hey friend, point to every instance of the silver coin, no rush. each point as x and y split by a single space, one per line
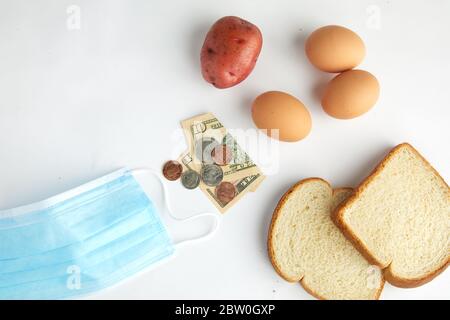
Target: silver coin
211 175
203 149
190 179
239 155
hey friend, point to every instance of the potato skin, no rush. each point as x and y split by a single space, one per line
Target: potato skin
230 51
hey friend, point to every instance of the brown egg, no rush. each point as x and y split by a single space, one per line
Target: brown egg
350 94
274 110
334 49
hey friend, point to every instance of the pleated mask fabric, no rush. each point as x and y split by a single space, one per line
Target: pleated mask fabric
81 241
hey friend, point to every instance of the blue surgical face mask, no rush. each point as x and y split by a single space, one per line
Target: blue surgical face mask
83 240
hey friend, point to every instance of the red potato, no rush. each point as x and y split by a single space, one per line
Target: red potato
230 51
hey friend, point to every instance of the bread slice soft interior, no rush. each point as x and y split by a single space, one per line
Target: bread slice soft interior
399 218
304 245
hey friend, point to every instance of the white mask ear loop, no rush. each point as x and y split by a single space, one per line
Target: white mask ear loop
169 210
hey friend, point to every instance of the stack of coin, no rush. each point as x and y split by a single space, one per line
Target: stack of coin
212 156
226 171
173 170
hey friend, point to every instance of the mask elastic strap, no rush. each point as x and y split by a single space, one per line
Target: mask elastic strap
169 210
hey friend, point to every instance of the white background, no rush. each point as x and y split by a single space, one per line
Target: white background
76 104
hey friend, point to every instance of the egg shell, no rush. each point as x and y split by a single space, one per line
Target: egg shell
350 94
278 110
334 49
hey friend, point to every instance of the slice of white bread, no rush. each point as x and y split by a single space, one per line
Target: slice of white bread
304 245
399 218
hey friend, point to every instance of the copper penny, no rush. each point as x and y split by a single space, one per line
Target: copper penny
222 155
190 179
172 170
225 192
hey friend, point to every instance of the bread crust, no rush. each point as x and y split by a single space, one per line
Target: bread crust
311 291
319 297
338 219
275 216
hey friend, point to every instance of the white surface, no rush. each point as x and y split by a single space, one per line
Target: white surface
75 104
